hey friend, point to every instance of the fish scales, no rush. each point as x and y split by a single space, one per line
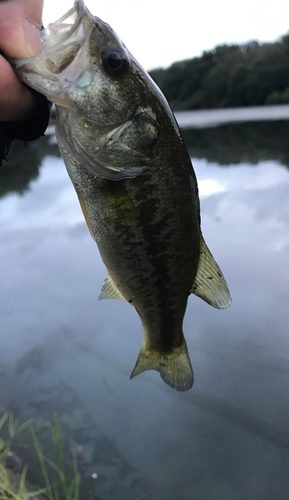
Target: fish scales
157 255
135 182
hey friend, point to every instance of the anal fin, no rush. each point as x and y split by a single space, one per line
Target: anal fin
210 284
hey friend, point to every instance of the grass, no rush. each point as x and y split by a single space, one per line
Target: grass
54 490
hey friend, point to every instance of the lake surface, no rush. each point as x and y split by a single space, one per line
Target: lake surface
213 117
62 350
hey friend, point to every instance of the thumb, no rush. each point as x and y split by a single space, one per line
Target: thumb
20 25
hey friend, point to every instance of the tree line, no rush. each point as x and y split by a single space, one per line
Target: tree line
249 74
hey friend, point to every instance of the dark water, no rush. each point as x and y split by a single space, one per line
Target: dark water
61 350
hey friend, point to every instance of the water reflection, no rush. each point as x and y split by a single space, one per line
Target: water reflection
23 164
248 142
62 350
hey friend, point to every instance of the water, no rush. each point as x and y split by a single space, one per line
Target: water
61 350
212 117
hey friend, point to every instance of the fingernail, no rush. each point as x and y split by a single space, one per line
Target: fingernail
32 36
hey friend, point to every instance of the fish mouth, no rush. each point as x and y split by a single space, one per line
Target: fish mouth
69 28
64 58
64 43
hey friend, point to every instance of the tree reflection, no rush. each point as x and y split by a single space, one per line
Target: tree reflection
24 163
250 142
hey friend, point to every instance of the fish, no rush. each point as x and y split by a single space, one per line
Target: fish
135 182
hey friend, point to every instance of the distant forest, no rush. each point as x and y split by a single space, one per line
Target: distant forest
251 74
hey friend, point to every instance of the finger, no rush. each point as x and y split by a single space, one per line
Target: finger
16 102
20 25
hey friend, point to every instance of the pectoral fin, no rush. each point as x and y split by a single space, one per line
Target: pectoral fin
174 367
109 290
84 211
210 284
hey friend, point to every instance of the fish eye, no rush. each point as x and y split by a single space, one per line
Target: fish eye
114 62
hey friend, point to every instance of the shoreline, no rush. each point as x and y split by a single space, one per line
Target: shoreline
214 117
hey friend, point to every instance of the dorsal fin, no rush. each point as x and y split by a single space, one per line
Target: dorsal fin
210 284
109 290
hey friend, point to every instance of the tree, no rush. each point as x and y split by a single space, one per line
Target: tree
229 75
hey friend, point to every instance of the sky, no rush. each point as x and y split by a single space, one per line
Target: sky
159 32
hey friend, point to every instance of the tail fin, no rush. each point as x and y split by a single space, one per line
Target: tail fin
175 367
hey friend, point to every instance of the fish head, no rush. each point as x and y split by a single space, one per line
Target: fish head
107 104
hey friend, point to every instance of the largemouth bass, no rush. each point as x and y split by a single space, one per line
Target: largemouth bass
134 179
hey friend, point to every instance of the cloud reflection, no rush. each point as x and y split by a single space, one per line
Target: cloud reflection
209 186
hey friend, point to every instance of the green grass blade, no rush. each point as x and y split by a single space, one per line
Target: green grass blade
77 477
12 425
3 419
33 494
70 491
60 455
23 426
53 465
41 458
55 492
22 489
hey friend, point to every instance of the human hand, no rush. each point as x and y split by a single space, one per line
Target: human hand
20 25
